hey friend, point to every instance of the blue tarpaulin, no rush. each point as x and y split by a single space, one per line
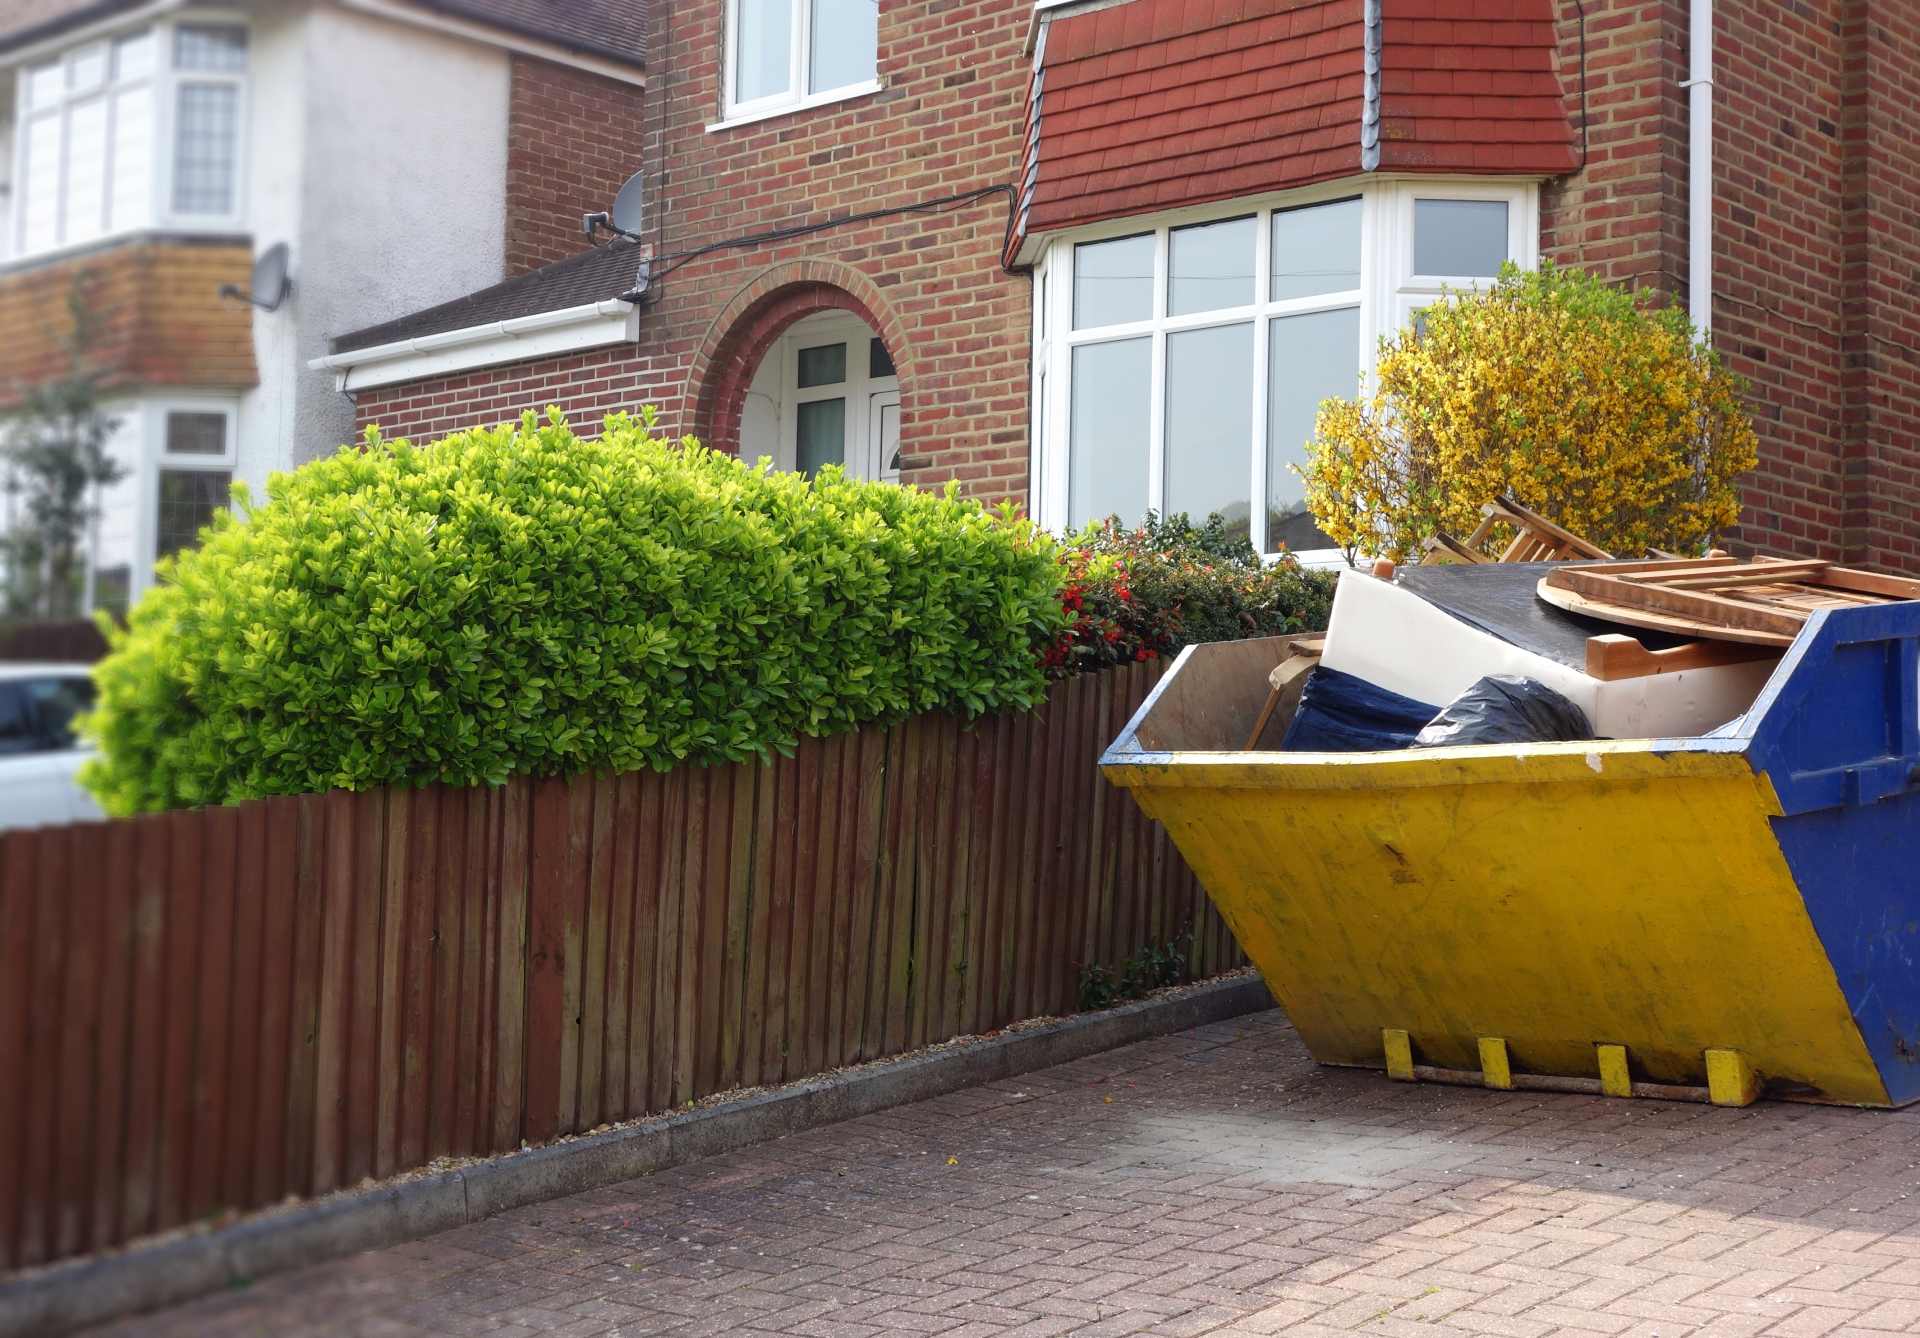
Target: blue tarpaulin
1343 714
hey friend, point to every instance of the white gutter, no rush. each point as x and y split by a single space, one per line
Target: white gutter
1699 88
568 330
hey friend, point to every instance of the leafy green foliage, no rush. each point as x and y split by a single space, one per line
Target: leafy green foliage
521 600
1154 967
1137 594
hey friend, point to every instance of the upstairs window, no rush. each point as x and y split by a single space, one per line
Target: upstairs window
789 53
137 131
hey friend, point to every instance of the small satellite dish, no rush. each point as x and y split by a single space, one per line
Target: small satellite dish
270 284
629 206
628 212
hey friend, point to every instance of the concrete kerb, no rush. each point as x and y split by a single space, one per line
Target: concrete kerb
71 1295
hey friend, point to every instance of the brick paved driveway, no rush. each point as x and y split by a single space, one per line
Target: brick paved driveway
1210 1182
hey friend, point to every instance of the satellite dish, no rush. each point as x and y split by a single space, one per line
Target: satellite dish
270 284
629 206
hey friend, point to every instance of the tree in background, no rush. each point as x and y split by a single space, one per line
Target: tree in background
56 463
1605 415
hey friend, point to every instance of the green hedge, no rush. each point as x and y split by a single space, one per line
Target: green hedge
525 601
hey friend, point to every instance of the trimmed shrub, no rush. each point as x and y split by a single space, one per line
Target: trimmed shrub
1140 593
1603 414
525 601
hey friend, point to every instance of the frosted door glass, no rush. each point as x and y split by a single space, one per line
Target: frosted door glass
1209 431
1459 238
1309 358
822 435
1210 266
1316 250
1109 433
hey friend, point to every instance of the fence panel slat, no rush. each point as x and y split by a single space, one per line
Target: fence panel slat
513 876
615 1102
665 1054
333 1015
366 854
806 817
547 1069
649 797
111 1060
70 1066
597 874
17 857
842 777
207 1123
738 915
869 752
280 892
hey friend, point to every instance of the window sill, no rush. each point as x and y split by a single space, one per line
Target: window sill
847 94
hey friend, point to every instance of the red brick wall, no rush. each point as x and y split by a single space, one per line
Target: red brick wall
572 140
1816 249
947 121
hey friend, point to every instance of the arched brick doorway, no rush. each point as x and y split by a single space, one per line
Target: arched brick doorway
737 343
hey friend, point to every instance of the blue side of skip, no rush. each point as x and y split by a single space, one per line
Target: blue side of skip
1837 732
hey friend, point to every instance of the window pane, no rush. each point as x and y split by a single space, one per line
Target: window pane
218 49
132 205
1209 430
879 361
821 436
86 170
845 44
1211 266
133 57
763 49
196 433
206 148
45 85
1108 432
1459 238
41 222
188 500
88 69
1309 358
825 365
1316 250
54 702
1112 282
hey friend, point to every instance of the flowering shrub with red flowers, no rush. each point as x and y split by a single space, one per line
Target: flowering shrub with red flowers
1143 592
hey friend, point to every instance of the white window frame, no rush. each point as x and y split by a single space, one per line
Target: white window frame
165 82
797 96
1388 296
859 390
159 458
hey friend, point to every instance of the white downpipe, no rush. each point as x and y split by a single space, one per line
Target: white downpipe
1699 87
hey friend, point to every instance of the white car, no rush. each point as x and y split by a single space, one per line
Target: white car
39 755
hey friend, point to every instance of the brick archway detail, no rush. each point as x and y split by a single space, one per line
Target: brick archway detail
730 353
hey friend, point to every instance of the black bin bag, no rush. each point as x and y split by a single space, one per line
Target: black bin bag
1505 708
1340 713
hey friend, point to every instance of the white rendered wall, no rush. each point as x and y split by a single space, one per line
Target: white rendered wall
379 153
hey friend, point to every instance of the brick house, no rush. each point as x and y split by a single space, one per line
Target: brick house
402 151
1101 255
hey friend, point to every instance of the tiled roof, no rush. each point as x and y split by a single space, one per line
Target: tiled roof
23 21
599 275
1153 104
616 28
612 28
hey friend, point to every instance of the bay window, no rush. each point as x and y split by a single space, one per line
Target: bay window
1197 347
789 53
130 132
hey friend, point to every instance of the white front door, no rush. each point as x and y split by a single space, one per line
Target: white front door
883 435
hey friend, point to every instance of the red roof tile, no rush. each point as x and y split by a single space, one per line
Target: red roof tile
1153 103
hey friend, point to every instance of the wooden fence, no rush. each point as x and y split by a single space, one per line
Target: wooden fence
211 1010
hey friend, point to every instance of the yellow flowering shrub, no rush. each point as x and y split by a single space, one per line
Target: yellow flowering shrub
1601 413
